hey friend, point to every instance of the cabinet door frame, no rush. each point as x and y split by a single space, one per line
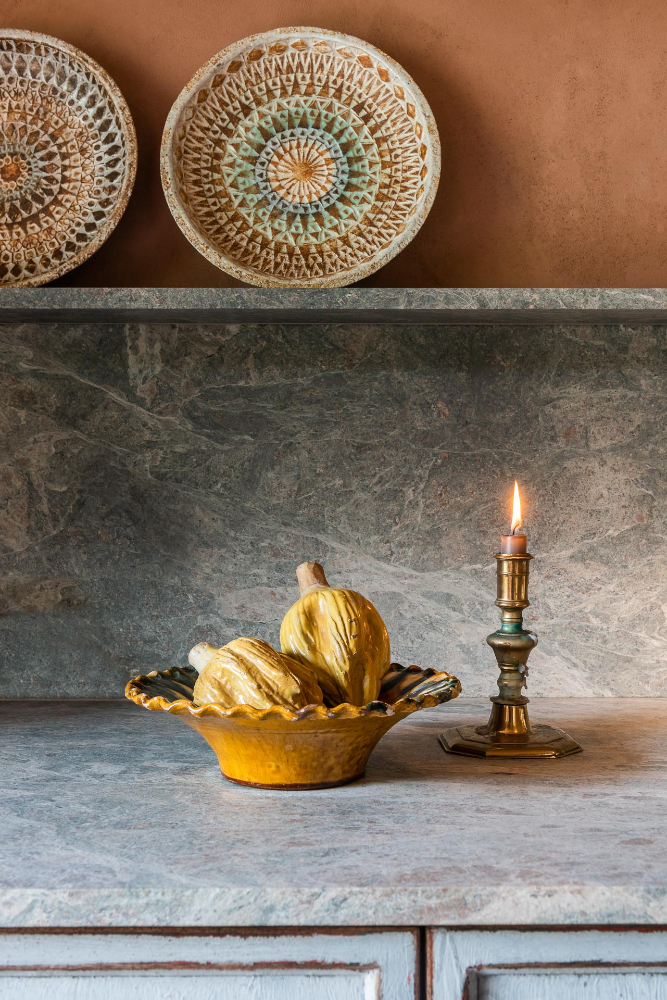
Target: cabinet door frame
393 954
452 954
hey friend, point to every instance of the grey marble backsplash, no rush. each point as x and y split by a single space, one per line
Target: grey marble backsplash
159 485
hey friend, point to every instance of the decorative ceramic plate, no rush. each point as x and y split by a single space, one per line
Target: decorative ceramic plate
67 157
300 157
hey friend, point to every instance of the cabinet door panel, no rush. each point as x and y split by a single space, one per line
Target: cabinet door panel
584 985
373 965
268 985
547 965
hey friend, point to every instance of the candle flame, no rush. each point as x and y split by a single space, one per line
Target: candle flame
516 508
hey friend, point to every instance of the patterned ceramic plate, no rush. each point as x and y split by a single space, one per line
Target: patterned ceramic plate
67 157
300 157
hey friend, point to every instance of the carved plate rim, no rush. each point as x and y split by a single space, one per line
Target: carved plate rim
257 278
129 138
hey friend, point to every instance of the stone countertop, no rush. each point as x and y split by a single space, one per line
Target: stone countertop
338 305
114 816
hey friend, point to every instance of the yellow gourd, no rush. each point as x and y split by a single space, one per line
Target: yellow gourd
250 672
339 635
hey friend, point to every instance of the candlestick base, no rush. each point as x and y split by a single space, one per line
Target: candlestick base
544 741
509 733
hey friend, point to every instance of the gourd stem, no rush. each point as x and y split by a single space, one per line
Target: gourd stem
310 574
200 654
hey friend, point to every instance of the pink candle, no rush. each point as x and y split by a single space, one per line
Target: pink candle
513 544
516 542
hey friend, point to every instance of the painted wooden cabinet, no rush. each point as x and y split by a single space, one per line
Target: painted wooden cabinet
311 966
337 965
547 965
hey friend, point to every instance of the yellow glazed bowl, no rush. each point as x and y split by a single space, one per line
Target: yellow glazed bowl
316 747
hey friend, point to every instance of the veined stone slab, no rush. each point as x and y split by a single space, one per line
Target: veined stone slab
114 816
160 484
410 306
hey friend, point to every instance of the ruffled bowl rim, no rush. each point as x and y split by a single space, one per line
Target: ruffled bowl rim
430 688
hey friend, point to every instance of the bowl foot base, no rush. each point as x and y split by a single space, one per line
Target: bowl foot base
298 787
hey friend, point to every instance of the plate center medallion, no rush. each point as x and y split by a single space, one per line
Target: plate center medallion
302 170
13 171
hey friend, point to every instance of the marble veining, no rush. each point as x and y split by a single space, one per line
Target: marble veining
115 816
160 483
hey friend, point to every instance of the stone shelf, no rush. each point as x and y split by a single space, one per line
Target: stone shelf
437 306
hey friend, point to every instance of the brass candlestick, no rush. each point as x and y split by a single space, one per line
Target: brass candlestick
508 732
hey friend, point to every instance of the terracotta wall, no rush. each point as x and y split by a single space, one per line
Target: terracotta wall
552 115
